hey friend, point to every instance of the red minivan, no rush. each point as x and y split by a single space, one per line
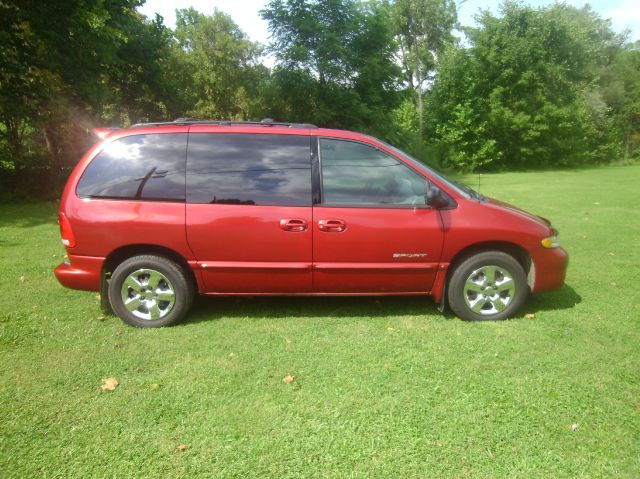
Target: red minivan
153 213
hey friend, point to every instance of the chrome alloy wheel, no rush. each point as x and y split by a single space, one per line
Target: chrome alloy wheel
489 290
148 294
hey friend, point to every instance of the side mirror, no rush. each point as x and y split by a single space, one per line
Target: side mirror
436 198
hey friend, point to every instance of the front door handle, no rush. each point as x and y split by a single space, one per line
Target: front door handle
293 224
332 226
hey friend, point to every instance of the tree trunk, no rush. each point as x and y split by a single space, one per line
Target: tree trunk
420 122
418 89
14 138
53 145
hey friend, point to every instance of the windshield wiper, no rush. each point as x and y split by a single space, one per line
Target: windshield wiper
473 193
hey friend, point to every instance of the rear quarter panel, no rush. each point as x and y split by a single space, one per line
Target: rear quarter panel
103 225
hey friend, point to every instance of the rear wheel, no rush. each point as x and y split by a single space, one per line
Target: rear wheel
487 286
150 292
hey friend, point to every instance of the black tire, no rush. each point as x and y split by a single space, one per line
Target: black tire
470 285
162 289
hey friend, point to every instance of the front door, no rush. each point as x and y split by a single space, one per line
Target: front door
249 211
373 231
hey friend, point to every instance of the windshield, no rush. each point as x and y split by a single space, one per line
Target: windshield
462 190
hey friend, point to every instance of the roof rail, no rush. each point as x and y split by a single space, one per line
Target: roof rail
104 132
268 122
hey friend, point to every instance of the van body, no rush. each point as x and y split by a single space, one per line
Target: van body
156 213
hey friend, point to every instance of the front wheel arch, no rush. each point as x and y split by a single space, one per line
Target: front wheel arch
460 273
520 254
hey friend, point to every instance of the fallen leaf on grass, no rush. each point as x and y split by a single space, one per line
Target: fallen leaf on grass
117 333
21 278
181 447
612 254
97 297
154 387
389 328
574 426
232 355
101 318
288 342
529 315
109 384
288 379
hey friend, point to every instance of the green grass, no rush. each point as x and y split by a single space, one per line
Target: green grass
384 387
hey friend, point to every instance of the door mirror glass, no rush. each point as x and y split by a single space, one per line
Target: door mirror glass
436 198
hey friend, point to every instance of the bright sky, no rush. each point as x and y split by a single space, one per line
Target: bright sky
623 13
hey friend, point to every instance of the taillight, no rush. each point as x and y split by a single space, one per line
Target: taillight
68 239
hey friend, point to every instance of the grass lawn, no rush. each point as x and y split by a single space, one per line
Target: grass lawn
383 387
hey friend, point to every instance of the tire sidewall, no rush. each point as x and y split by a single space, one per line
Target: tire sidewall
489 258
173 272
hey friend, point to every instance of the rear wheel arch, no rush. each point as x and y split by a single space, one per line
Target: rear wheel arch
149 290
117 256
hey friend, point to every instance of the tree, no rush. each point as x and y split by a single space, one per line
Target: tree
64 64
524 94
218 64
334 62
619 89
424 29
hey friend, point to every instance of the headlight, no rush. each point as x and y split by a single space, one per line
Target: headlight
551 241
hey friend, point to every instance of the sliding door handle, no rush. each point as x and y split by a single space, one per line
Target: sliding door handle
332 226
293 224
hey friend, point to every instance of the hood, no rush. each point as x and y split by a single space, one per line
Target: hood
514 209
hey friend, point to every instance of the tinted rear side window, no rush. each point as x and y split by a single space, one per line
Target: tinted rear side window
144 167
249 169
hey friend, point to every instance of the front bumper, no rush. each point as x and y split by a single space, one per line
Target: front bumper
80 272
550 268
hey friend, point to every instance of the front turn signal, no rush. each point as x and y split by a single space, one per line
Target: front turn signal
550 242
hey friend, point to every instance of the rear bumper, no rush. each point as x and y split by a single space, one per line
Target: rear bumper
550 269
81 272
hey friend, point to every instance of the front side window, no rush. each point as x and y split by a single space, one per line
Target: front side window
249 169
358 174
141 167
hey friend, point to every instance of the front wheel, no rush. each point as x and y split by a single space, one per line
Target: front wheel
150 292
487 286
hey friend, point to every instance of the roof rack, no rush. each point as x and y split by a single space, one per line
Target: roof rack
268 122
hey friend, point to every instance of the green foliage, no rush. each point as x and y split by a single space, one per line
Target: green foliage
406 119
68 65
531 88
524 94
424 29
218 65
619 90
334 63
